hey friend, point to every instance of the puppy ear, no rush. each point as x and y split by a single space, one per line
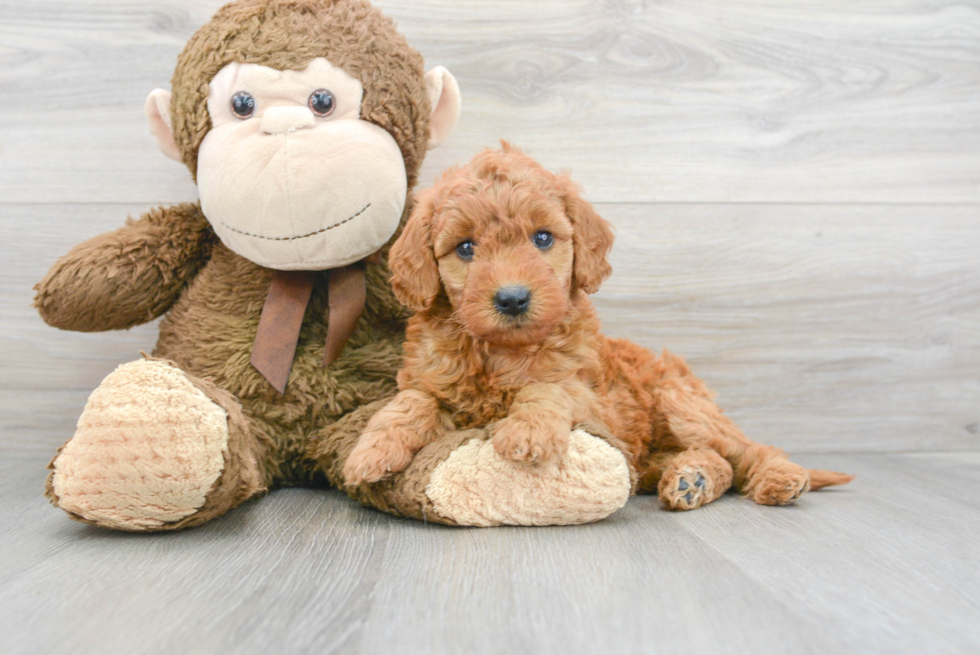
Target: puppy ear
592 238
414 271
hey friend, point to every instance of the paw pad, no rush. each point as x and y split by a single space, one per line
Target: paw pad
685 489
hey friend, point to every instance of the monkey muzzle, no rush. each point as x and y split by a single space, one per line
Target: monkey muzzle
291 193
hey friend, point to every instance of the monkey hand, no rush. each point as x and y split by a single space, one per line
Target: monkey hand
126 277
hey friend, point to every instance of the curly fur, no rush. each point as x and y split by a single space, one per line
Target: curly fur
537 374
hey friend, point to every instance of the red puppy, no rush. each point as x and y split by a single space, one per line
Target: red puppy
497 260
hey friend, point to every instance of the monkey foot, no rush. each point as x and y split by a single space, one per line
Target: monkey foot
475 486
147 451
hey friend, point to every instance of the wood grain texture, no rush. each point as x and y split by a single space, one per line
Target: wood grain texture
820 273
703 101
835 328
886 565
822 328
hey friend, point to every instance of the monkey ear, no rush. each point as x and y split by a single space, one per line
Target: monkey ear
444 99
592 238
414 270
157 110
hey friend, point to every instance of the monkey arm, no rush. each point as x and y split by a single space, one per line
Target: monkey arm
129 276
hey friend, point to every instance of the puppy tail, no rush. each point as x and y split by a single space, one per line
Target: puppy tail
820 479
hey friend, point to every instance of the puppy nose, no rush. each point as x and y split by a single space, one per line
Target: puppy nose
279 120
512 301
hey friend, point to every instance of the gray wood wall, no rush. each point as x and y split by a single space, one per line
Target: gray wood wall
795 186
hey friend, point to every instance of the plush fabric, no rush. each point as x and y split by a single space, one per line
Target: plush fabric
157 112
440 487
473 485
129 276
266 186
182 438
147 432
288 35
445 106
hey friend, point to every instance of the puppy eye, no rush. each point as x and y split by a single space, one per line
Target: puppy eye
243 104
465 250
322 102
543 239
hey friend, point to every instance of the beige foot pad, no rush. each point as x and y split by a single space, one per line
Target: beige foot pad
148 448
474 486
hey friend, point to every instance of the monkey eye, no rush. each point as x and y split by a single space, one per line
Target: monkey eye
322 102
243 104
543 239
465 250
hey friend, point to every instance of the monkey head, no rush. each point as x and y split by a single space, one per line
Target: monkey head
304 124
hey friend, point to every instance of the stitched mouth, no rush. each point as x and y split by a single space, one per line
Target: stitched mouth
299 236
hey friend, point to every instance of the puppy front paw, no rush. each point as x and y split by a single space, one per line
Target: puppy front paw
530 442
376 455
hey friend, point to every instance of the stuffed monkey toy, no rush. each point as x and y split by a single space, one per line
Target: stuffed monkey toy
304 124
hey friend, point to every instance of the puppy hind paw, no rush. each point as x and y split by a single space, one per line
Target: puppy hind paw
685 489
781 483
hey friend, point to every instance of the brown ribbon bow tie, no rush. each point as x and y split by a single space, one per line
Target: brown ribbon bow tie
282 318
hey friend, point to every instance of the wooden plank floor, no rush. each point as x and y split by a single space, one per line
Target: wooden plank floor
796 192
887 565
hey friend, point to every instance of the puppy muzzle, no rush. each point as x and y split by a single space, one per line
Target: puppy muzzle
512 301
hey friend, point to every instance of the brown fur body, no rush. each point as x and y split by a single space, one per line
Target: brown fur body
537 374
169 262
212 300
224 302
